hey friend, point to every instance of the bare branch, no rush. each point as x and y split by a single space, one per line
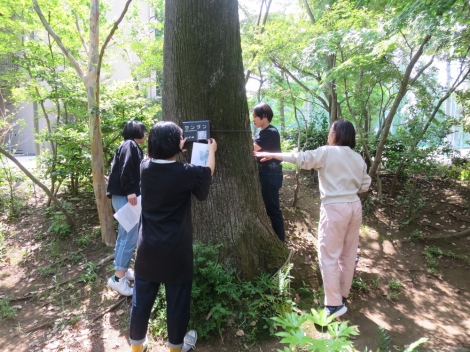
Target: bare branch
58 40
407 44
85 47
111 33
40 184
309 11
265 19
307 89
398 98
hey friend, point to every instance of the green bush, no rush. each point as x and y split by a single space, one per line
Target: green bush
90 275
458 170
332 338
6 311
296 338
316 136
221 299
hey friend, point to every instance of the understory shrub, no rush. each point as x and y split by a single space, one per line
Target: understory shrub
220 299
262 307
319 333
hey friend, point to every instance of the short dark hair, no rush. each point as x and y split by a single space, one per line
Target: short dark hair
263 110
133 130
345 134
164 140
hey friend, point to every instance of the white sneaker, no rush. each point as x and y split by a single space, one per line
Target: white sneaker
189 341
122 286
130 275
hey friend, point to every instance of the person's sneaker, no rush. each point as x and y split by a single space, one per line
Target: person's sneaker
189 341
121 286
130 275
335 311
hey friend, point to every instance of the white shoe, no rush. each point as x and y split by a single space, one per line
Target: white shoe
189 341
130 275
122 286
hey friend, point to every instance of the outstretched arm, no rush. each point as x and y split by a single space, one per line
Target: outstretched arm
268 156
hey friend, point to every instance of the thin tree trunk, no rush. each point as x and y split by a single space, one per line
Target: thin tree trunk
393 110
91 82
68 218
203 80
464 73
105 214
282 115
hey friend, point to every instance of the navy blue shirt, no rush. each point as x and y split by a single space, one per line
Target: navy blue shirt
269 141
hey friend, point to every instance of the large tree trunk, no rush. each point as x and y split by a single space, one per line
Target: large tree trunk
203 80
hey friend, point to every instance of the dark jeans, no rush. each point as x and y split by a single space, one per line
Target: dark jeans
178 299
271 182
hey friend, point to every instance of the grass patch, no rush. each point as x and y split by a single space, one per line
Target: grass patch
6 311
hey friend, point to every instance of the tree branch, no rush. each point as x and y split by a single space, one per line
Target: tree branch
307 89
309 11
57 40
85 47
111 33
37 182
265 19
399 97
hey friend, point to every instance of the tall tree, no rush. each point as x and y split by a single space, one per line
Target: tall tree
91 80
203 79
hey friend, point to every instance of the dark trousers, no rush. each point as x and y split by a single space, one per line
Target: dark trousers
178 299
271 182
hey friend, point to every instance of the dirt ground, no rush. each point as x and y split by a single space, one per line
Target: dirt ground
57 313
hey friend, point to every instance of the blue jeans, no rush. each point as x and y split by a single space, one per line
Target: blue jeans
126 241
178 302
271 182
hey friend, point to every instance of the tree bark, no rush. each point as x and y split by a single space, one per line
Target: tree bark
203 80
91 81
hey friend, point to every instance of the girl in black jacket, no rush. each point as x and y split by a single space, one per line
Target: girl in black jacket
123 187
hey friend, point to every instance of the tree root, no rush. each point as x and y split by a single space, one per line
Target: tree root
43 325
445 237
100 263
114 306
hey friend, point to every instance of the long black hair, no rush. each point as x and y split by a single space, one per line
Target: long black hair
164 140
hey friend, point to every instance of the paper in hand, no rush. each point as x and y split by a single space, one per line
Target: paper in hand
200 154
129 215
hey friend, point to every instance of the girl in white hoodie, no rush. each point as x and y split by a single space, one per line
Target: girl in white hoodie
342 174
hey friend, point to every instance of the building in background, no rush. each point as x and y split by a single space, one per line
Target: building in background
27 122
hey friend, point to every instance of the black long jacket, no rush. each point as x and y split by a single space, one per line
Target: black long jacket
124 177
165 244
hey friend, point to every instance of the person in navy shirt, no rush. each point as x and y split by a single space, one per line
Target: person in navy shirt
270 173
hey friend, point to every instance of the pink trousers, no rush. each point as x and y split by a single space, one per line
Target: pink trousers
338 237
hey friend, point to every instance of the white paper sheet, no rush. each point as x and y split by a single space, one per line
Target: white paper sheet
129 215
200 154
